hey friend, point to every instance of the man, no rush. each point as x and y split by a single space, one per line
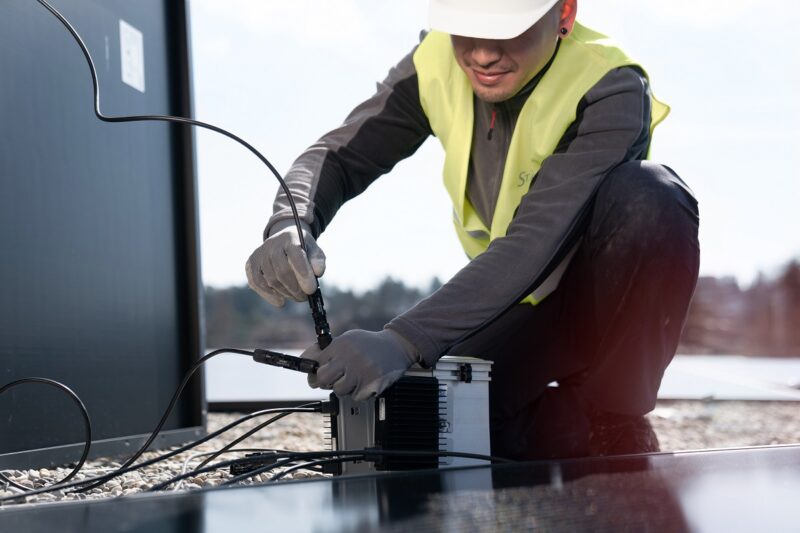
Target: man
584 256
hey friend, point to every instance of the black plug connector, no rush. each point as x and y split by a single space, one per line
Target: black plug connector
252 461
329 407
282 360
320 317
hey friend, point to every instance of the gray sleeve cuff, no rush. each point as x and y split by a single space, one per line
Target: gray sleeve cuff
277 223
428 351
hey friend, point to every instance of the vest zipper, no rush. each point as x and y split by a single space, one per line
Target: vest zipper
491 124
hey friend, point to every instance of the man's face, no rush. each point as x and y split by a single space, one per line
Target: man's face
498 69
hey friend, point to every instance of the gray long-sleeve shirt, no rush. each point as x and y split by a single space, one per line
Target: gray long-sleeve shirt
612 126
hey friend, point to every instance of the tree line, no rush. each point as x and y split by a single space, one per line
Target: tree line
760 320
237 316
724 318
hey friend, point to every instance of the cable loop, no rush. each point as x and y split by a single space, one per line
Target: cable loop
87 424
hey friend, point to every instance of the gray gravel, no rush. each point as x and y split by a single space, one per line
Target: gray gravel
298 431
694 425
680 425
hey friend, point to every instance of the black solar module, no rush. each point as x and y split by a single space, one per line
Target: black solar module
749 489
118 320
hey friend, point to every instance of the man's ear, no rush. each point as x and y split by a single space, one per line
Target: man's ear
569 11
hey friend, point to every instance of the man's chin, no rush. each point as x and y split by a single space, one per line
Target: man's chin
492 95
495 93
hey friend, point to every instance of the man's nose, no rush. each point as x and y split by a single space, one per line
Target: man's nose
486 52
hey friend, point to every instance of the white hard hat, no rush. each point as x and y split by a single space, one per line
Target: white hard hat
487 19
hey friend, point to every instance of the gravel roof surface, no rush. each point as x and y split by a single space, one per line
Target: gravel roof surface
680 425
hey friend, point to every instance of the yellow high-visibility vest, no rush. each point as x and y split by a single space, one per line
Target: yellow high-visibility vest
583 59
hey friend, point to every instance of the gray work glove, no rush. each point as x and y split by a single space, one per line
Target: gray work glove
361 363
279 268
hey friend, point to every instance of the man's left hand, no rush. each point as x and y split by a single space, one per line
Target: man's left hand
361 363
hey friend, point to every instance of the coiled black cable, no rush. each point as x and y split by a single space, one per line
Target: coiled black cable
87 425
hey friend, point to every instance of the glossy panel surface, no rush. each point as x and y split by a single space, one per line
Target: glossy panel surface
732 490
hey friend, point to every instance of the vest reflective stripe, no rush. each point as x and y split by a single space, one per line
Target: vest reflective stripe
583 58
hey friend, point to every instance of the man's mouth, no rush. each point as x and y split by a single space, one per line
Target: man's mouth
489 78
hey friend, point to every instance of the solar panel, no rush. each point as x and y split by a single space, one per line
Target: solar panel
99 271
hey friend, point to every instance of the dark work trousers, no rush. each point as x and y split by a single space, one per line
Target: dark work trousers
609 330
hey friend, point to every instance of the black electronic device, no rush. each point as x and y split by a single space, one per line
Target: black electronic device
444 408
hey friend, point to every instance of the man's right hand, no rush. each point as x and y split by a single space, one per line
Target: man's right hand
280 269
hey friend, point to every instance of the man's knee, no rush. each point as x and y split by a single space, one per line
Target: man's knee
649 200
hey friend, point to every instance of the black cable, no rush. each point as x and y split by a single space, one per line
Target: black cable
367 453
106 477
247 435
285 412
168 412
87 425
209 468
293 456
289 457
222 464
124 468
201 468
266 468
215 434
251 451
311 464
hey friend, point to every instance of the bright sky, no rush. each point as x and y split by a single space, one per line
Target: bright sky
281 74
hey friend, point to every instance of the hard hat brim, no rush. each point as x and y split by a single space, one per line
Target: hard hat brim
445 17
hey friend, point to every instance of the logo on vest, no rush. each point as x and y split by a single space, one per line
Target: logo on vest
525 178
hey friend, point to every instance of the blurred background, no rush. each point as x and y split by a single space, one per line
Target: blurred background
281 74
